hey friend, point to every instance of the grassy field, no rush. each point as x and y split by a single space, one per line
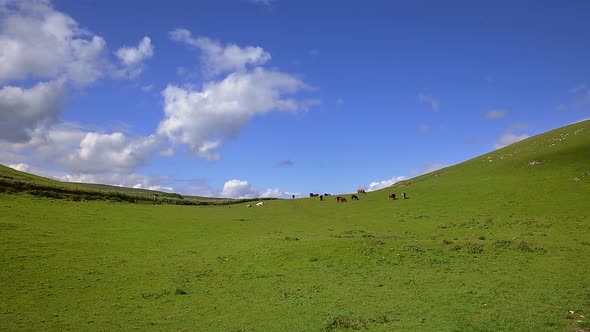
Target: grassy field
498 243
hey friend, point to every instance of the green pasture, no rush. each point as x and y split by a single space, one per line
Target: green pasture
498 243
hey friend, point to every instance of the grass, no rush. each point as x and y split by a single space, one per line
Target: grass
480 246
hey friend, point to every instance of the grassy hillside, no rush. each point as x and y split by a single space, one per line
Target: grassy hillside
485 245
16 182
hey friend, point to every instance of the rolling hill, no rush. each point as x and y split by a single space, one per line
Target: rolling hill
13 181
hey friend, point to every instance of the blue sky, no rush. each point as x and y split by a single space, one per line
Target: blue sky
272 98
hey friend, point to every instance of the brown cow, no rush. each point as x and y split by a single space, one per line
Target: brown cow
361 191
340 199
392 197
354 197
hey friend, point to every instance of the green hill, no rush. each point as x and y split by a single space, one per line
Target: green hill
13 181
498 243
541 173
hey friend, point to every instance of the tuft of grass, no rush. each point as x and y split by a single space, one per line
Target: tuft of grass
180 291
502 244
474 248
413 248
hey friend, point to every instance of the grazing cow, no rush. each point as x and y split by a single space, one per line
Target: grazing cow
260 204
293 196
321 197
340 199
405 196
392 196
327 195
249 205
313 195
361 191
354 197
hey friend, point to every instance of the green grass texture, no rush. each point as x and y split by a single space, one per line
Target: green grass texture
500 242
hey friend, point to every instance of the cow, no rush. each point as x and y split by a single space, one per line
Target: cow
293 196
361 191
340 199
249 205
392 197
405 196
313 195
260 204
327 194
321 197
354 197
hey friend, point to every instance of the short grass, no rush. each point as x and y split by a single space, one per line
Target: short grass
495 245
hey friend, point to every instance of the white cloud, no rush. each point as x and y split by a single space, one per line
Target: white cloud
561 108
104 153
496 114
242 189
135 55
157 188
147 88
133 58
509 138
238 189
39 42
429 100
83 152
218 58
204 119
385 183
23 110
20 167
136 181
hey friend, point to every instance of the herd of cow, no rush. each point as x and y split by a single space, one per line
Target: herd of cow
341 199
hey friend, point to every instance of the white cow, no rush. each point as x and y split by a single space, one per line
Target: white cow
260 204
249 205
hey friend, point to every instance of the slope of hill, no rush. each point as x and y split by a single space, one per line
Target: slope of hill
539 173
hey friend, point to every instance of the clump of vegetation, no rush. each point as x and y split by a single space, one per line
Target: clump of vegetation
413 248
518 245
474 248
502 244
349 323
340 322
180 291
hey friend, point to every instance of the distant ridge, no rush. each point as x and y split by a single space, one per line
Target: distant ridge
14 182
